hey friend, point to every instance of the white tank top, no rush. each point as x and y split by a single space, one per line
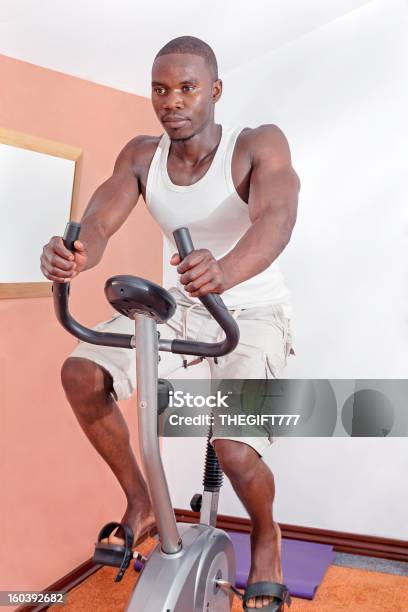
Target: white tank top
217 219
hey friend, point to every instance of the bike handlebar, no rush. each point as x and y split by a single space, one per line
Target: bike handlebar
60 293
213 302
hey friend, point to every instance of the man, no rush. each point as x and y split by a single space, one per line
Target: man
236 190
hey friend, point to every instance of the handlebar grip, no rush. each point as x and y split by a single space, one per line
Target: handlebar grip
71 234
185 246
183 241
61 295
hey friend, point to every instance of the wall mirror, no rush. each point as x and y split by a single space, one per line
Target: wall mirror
39 182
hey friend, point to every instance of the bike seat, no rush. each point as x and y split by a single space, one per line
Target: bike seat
132 294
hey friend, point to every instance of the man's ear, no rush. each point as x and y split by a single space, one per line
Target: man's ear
217 90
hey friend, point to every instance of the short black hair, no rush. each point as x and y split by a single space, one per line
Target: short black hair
195 46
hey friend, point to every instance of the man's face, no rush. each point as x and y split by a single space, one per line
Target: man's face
183 94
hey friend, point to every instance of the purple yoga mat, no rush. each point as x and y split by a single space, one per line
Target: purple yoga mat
304 564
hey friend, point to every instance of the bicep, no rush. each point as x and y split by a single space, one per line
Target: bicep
115 198
274 184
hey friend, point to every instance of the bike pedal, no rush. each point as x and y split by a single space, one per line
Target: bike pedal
224 584
139 561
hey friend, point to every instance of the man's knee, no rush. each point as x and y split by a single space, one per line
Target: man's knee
84 378
237 459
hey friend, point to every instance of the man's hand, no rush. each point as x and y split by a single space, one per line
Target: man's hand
200 273
58 264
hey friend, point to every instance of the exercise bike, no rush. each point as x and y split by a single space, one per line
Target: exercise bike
192 568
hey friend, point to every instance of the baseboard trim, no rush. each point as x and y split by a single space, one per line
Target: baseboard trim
355 544
370 546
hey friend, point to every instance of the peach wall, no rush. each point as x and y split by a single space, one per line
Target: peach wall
56 492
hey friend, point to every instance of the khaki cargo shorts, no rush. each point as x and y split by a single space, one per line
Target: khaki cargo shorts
264 346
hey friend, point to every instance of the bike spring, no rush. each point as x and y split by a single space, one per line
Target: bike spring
213 474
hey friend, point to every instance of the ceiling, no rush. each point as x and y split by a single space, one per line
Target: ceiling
113 42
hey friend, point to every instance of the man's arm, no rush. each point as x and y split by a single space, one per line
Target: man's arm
111 204
272 207
107 210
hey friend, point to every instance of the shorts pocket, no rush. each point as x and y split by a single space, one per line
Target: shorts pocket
288 340
287 334
276 359
274 366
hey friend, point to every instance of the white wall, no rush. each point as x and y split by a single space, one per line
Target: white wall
340 94
98 42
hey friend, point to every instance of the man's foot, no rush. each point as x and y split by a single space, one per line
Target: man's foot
141 520
265 562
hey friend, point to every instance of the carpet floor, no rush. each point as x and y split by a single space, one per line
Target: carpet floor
343 589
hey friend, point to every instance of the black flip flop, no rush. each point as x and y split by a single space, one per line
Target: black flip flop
272 589
114 554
